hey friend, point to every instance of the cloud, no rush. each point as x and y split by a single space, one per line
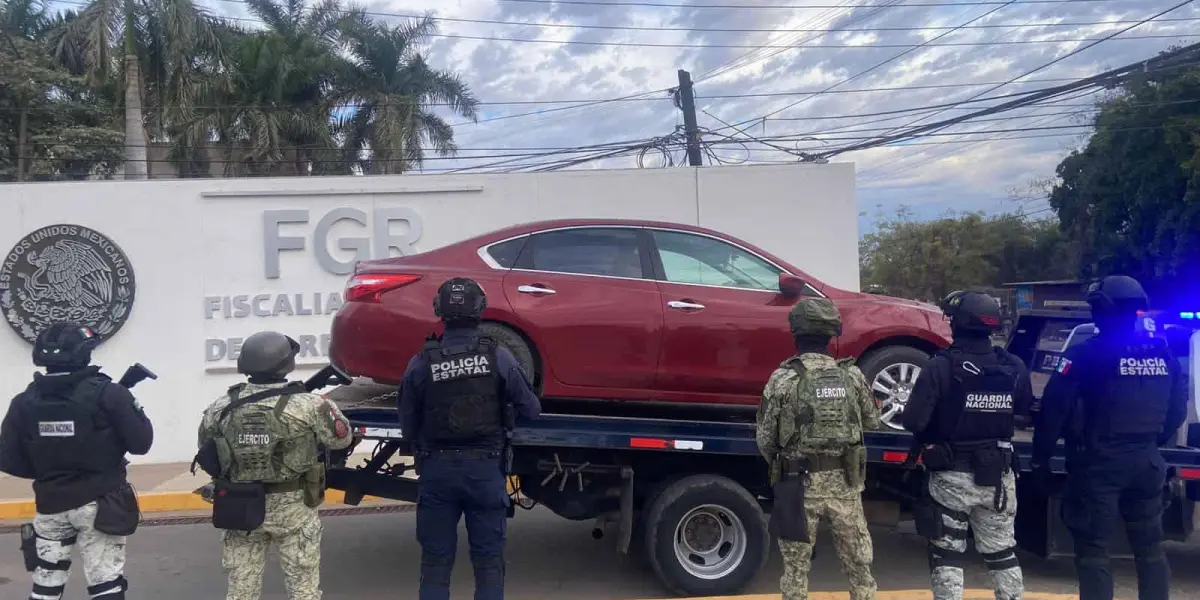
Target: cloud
931 176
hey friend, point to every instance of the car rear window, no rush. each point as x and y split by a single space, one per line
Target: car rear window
505 253
586 251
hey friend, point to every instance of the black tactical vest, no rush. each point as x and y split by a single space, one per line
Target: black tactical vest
980 404
462 399
69 433
1129 389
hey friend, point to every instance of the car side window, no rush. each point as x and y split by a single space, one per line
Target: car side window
695 259
505 253
611 252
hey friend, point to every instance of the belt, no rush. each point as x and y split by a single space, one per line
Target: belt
282 487
813 464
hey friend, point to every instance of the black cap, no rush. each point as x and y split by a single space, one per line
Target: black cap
65 346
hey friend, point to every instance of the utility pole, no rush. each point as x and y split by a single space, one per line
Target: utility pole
685 99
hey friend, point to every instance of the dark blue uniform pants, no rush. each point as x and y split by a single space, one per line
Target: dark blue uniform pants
1123 486
454 485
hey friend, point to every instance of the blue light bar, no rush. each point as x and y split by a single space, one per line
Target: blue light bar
1187 315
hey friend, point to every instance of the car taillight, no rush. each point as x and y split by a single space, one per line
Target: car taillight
370 287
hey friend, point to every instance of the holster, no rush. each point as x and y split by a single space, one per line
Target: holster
29 546
313 485
937 457
239 506
927 514
788 508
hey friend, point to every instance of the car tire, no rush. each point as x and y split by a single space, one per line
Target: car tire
875 362
510 339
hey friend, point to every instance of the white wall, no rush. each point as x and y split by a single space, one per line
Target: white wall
189 241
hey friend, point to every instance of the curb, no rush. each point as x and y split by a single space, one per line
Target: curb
973 594
156 503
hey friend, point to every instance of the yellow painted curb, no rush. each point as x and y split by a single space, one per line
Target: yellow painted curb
151 503
898 595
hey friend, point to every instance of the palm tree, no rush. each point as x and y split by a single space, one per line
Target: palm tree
394 90
168 35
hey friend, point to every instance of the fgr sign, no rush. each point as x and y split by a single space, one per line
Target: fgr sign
377 245
66 273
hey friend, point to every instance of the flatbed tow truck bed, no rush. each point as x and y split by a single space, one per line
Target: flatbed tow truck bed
691 496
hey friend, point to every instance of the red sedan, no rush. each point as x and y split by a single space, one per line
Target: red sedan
629 310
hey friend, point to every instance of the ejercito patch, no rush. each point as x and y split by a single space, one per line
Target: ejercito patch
56 428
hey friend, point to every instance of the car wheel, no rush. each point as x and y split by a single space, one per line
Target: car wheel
892 371
516 344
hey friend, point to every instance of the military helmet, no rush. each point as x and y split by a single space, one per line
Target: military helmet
971 311
815 316
65 345
1117 294
459 298
268 353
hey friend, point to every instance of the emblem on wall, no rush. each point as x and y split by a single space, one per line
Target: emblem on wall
66 273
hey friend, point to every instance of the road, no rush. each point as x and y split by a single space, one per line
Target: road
376 557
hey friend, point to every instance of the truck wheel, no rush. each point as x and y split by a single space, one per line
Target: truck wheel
516 344
705 535
891 372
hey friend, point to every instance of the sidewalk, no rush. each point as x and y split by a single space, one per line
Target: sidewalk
161 488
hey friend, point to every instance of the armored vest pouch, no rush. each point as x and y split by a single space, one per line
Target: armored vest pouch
238 506
983 391
117 512
824 413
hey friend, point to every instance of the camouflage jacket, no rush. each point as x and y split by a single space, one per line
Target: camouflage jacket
781 389
304 413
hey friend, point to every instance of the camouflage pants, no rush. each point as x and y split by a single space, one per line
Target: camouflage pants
851 541
103 555
965 504
296 528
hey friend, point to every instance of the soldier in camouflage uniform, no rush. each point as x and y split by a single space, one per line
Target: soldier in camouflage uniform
810 425
962 416
274 440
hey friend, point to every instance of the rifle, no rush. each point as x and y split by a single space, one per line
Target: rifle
328 375
135 375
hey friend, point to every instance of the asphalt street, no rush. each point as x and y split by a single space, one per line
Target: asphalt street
376 557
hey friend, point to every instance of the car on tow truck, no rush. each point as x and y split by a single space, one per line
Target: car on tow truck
638 312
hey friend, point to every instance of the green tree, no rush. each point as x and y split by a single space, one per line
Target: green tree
1131 196
925 260
164 46
394 90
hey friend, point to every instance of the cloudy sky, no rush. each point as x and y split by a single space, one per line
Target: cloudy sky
782 49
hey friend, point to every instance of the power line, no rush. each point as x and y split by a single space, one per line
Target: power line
1083 83
640 3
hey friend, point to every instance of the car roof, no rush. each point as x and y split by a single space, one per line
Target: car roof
516 230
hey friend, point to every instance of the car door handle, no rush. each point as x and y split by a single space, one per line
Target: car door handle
684 305
534 289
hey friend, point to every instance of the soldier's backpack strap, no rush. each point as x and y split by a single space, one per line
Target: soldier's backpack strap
845 363
796 365
287 390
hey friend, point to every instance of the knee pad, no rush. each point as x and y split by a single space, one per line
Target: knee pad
435 570
940 557
1001 560
109 590
489 571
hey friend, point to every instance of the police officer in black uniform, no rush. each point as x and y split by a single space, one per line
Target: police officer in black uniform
962 414
1114 399
69 432
458 402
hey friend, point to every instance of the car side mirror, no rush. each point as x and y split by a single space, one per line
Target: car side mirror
791 286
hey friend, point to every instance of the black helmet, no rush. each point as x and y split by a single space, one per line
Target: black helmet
268 354
971 311
1117 295
459 298
65 346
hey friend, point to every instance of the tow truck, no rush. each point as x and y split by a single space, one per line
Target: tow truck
691 496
